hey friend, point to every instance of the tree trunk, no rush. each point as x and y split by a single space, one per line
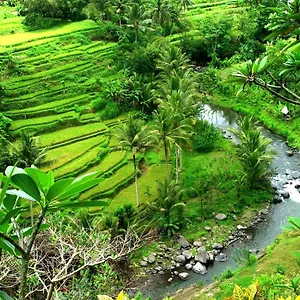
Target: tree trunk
23 279
136 181
167 161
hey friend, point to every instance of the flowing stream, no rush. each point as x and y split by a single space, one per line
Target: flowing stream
286 176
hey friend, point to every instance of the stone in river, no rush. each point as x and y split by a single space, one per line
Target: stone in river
183 275
289 153
221 257
143 263
183 242
199 268
187 254
217 246
180 259
151 259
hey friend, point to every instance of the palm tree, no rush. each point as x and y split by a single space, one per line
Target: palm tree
173 61
253 151
137 19
169 132
169 200
134 136
120 7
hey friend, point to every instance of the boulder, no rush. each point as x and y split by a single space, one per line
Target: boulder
187 254
285 194
143 263
277 199
297 186
170 279
183 275
207 228
241 227
180 259
161 272
221 257
197 244
183 242
220 217
217 246
264 211
211 257
199 268
202 255
151 259
188 266
289 153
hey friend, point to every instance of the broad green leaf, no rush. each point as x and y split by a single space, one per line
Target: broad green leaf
255 67
40 178
9 202
5 296
262 64
76 187
80 204
10 214
87 177
51 178
7 246
26 184
11 170
20 194
58 187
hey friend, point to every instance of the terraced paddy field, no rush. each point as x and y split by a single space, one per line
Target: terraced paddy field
54 75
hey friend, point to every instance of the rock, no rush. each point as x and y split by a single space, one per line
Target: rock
297 186
176 272
199 268
217 246
197 244
241 227
221 257
285 194
180 259
277 199
264 211
210 255
158 269
177 265
170 279
187 254
188 266
143 263
220 217
289 153
207 228
161 272
254 251
151 259
202 256
183 275
274 186
183 242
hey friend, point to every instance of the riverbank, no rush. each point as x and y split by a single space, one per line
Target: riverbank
267 111
285 178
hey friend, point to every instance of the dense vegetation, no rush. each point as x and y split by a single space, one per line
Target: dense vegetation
115 89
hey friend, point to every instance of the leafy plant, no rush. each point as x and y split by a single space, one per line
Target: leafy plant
34 187
293 286
244 293
294 224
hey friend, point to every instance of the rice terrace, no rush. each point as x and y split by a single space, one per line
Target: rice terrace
142 142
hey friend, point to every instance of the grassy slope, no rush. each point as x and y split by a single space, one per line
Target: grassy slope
279 253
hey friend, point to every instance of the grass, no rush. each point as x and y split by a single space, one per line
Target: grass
60 30
147 188
70 133
62 155
34 122
122 175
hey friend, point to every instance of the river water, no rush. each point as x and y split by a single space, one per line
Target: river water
286 176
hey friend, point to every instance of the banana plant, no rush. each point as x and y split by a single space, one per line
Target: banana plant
21 187
294 224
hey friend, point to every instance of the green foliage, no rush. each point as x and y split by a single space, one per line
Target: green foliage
206 136
5 123
294 224
253 152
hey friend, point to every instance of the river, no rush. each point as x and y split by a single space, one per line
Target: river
286 176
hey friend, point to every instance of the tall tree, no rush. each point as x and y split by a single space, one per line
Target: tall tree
169 133
134 136
138 19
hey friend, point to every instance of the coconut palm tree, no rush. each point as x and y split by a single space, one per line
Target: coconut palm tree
170 130
135 137
120 8
172 61
169 201
253 151
137 18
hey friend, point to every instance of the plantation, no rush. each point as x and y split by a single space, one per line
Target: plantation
127 170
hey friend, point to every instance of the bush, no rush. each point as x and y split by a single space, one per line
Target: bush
35 21
206 137
4 123
111 111
98 104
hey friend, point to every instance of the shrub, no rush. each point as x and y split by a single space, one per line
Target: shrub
35 21
5 123
206 136
111 111
98 104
